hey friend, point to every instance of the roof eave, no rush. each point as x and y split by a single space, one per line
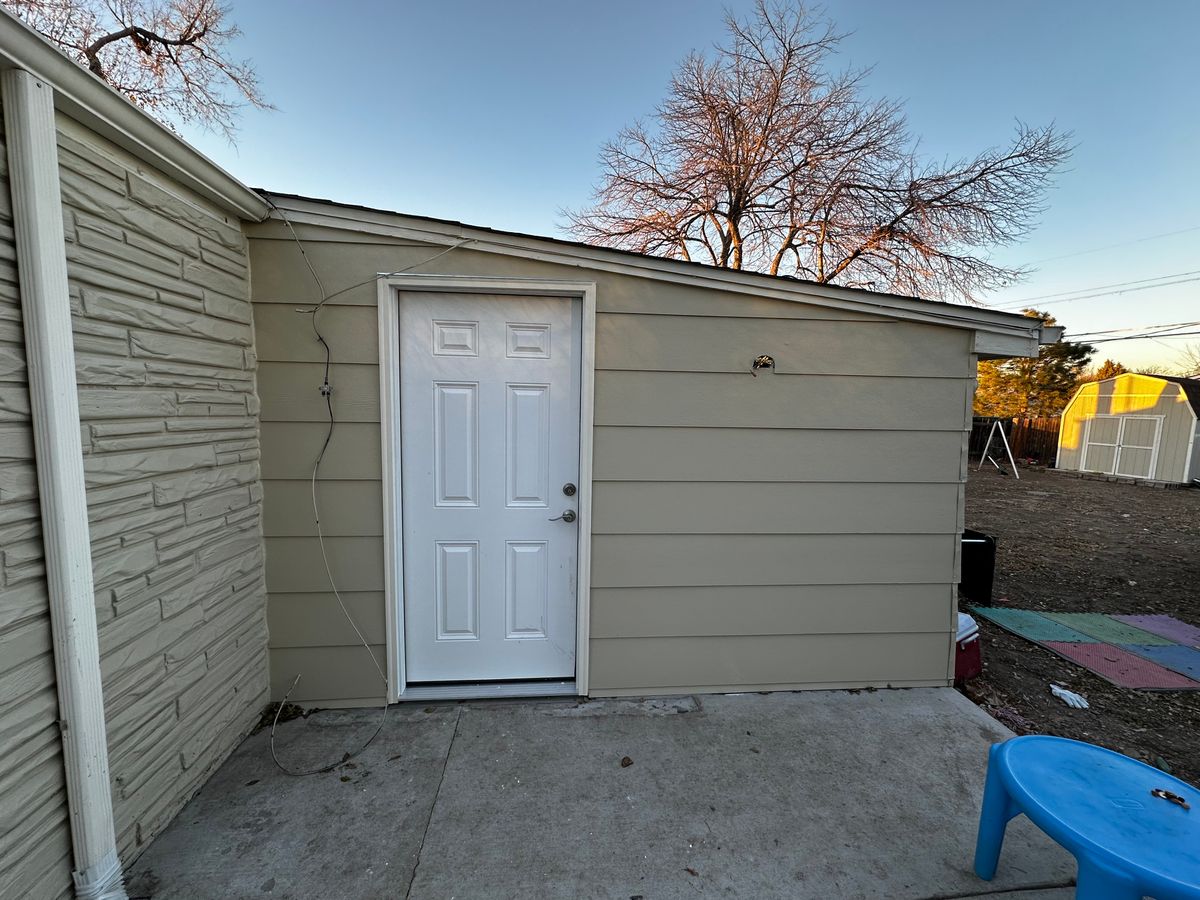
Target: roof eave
85 98
999 335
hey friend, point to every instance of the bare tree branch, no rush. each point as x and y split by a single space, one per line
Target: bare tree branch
167 56
1188 361
761 157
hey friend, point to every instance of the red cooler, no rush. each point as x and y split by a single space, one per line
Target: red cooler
967 661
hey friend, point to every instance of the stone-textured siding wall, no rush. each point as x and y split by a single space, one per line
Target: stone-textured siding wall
164 349
35 840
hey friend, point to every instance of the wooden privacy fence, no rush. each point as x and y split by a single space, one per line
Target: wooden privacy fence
1035 438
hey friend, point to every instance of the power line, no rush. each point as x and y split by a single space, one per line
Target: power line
1141 240
1139 337
1131 290
1102 287
1084 334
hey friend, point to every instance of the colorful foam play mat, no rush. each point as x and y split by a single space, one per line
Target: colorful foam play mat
1149 653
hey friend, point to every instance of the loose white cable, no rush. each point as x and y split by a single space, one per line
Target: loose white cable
329 574
375 278
327 393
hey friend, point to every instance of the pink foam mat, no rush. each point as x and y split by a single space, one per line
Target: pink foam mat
1123 668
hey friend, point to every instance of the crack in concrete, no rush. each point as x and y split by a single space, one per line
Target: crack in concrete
433 806
993 892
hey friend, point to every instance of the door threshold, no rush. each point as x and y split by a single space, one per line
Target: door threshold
490 689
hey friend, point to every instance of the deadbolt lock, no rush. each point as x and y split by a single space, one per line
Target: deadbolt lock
569 489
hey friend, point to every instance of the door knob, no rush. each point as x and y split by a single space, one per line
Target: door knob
567 516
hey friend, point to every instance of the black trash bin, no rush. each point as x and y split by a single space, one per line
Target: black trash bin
978 567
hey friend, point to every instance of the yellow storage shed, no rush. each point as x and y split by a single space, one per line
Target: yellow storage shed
1135 426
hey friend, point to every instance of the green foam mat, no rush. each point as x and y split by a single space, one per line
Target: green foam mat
1105 628
1032 626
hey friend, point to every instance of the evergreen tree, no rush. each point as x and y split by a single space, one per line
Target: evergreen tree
1107 369
1013 388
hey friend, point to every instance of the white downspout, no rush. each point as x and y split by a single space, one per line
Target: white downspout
49 346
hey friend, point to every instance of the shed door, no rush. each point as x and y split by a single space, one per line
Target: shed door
1100 444
489 394
1138 446
1122 445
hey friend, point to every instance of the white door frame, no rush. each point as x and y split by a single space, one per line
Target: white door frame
390 288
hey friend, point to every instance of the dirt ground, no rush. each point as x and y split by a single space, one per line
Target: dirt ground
1067 544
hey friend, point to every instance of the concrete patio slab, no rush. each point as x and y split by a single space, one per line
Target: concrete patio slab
253 831
798 795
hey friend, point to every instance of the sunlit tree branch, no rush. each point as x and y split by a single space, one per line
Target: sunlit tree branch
761 157
167 56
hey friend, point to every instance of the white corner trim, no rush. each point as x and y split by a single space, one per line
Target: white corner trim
45 305
1062 423
1190 458
388 317
1188 475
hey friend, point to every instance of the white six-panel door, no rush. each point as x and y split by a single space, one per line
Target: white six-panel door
489 408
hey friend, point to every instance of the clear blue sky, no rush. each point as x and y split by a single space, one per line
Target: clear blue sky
492 113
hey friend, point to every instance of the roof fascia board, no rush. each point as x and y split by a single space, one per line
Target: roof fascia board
992 345
399 226
81 96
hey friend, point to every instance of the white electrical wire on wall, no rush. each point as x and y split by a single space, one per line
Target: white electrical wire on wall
326 391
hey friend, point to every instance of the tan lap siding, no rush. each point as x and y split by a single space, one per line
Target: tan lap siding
730 507
165 359
1070 436
794 529
310 636
646 343
632 612
35 840
772 661
653 453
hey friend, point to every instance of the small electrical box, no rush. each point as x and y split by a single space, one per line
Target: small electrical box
762 364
